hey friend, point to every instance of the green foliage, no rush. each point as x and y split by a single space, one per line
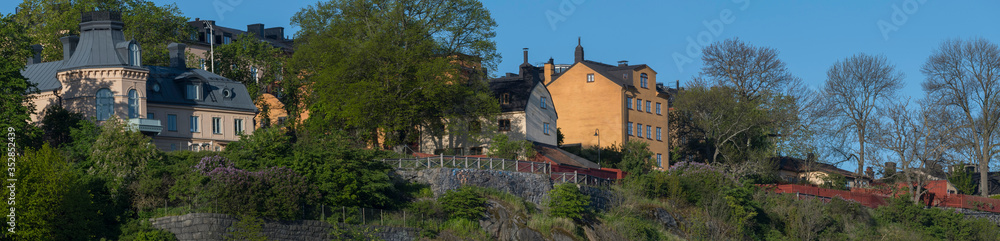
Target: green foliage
937 223
119 154
15 106
715 124
153 26
636 157
57 123
249 55
247 228
464 203
266 147
559 136
142 230
503 147
343 174
49 197
835 181
566 200
415 62
963 181
353 233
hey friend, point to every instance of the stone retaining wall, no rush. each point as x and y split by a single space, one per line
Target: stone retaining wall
532 187
212 226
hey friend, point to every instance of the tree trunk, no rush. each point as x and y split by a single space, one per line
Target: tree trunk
984 189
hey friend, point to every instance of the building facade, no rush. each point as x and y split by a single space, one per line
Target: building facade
102 76
607 105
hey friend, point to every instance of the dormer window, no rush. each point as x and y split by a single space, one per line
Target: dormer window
192 92
505 98
644 80
133 55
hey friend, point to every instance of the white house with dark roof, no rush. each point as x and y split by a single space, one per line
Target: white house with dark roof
101 75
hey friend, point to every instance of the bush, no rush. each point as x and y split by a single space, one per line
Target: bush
566 200
935 222
50 199
276 192
141 230
464 203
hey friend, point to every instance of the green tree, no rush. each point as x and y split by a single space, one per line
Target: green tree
119 154
266 147
566 200
715 125
464 203
57 125
152 26
636 157
502 147
963 181
415 62
344 174
15 105
251 61
50 202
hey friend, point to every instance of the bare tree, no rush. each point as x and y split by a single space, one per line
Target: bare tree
855 87
964 76
916 142
750 70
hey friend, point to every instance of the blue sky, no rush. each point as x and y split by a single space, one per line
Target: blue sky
810 35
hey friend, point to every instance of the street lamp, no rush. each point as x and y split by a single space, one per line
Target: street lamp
211 41
597 133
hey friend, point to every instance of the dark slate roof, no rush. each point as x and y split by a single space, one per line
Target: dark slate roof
44 75
561 156
798 165
285 44
519 86
172 83
98 46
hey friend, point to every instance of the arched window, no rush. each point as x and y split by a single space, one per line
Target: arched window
643 79
105 104
133 104
133 55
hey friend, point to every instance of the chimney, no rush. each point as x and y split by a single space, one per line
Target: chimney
890 169
276 33
69 45
525 55
623 63
678 84
579 51
257 29
177 55
36 55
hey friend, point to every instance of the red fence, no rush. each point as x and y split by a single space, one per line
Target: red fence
869 198
866 199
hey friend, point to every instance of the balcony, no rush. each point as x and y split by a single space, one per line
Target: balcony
146 126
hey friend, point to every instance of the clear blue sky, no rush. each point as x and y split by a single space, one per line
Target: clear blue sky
811 35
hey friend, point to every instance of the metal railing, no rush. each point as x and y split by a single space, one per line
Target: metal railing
484 163
579 178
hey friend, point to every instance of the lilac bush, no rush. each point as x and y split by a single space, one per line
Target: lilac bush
276 192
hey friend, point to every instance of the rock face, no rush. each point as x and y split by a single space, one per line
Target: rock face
664 218
212 226
601 199
530 186
500 223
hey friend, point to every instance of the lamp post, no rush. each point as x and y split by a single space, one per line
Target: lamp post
211 42
597 133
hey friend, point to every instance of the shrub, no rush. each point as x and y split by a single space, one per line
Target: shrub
247 228
141 230
276 192
566 200
49 198
463 203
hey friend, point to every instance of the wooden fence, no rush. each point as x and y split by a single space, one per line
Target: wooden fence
483 163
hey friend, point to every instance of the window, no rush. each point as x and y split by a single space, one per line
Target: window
504 125
105 104
658 108
133 55
172 122
647 107
643 80
638 131
253 72
173 146
628 102
542 103
659 134
590 78
202 63
545 128
630 128
216 125
638 104
505 98
133 104
475 150
649 132
659 160
227 39
194 123
192 92
238 126
150 116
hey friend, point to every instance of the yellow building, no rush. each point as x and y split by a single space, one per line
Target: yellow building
610 105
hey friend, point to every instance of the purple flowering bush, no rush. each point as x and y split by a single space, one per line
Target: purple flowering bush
276 192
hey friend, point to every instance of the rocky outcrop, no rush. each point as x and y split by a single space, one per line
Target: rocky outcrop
530 186
502 224
601 199
212 226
